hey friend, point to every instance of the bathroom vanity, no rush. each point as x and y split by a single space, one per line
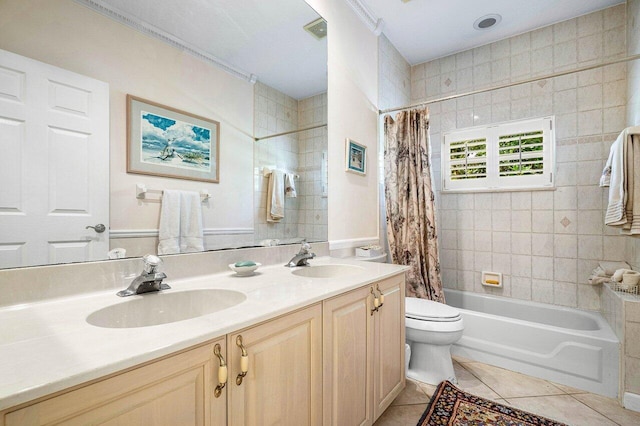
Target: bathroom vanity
321 345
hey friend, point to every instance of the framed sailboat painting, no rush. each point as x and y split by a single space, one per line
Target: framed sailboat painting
163 141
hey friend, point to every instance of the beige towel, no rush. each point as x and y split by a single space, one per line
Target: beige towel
275 197
624 194
632 227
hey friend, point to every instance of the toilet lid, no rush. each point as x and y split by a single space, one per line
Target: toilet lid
428 310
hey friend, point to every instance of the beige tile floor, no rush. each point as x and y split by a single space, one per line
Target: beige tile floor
552 400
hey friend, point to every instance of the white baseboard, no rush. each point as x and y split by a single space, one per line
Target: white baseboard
352 243
631 401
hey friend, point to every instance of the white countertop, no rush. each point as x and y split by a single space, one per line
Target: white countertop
48 346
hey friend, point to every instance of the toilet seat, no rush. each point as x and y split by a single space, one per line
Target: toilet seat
428 310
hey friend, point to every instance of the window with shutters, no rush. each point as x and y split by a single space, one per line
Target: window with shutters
507 156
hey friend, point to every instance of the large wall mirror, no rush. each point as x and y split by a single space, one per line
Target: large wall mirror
257 68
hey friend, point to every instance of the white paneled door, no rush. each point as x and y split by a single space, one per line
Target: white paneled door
54 164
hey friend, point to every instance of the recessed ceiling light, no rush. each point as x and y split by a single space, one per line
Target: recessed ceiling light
487 21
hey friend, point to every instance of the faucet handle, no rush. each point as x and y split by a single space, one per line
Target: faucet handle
305 247
151 263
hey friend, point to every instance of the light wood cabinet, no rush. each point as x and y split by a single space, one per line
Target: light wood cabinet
347 353
283 383
363 353
339 362
173 391
388 345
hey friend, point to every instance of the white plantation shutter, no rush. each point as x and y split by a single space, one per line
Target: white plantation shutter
466 157
512 155
521 154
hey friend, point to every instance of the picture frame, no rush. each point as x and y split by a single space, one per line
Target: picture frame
356 157
167 142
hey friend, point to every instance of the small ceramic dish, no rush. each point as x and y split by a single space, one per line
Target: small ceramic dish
244 271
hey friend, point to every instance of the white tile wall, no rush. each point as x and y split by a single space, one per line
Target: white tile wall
305 215
395 84
542 241
633 101
312 143
395 77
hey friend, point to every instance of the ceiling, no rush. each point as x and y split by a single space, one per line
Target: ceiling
264 38
422 30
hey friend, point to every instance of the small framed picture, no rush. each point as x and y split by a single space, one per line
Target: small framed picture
356 157
167 142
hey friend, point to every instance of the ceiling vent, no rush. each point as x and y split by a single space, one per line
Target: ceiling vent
317 28
487 21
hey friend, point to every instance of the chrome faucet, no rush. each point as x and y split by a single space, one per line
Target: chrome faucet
149 280
303 255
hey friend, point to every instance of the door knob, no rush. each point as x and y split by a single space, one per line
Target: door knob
99 228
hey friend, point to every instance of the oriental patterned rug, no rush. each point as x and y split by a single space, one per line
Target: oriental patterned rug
451 406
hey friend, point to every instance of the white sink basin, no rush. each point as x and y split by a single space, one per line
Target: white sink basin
162 308
328 271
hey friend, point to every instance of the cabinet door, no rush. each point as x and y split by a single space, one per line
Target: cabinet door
348 346
283 384
172 391
389 332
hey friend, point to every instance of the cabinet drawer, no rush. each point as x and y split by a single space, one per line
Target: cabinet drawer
167 392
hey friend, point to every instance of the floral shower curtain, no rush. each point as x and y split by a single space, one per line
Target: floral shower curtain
409 197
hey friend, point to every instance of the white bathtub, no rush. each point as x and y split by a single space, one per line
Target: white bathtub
564 345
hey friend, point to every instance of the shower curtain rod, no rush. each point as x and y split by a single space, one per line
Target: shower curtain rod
289 132
506 85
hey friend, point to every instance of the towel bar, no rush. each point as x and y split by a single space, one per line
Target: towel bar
266 171
141 193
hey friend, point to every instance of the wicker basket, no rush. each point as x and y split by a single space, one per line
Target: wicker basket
615 286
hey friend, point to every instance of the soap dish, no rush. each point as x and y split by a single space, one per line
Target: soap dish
244 271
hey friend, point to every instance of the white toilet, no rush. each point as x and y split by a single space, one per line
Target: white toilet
431 329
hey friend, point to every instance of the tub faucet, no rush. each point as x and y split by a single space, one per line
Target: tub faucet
303 255
149 280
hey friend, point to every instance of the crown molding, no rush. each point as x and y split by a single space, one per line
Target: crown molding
150 30
374 24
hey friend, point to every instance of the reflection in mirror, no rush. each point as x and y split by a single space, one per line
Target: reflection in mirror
198 57
300 157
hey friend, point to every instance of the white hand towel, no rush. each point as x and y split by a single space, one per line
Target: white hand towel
275 196
615 209
617 276
605 179
191 234
169 229
290 186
